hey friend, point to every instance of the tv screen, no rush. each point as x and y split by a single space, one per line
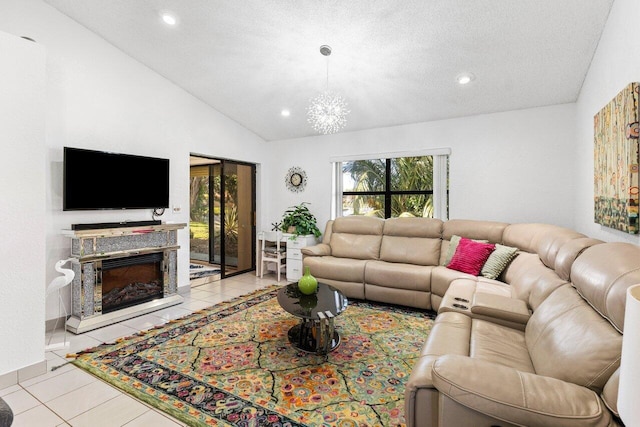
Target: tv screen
101 180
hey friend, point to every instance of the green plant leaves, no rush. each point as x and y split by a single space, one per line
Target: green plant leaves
302 219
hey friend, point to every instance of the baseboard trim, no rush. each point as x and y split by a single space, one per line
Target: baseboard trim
23 374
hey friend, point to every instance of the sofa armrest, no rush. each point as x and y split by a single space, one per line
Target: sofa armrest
321 249
500 307
517 397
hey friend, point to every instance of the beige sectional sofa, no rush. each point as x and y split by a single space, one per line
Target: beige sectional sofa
399 260
538 346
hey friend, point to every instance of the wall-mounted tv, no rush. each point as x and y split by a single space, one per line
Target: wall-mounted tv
96 180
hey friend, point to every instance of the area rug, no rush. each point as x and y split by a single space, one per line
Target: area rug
198 270
232 365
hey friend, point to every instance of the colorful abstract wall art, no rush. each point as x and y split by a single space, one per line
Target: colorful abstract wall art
615 155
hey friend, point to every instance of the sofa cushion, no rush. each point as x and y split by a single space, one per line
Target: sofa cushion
396 275
499 344
531 280
413 227
407 297
442 277
602 275
498 261
450 334
411 241
521 398
355 246
466 287
357 224
410 250
493 287
356 237
542 239
569 252
567 339
344 269
478 230
470 256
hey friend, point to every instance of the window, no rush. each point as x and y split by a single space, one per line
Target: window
394 186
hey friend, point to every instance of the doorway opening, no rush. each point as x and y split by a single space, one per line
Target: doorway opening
221 219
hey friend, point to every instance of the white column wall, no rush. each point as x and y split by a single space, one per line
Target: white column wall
22 185
515 166
615 65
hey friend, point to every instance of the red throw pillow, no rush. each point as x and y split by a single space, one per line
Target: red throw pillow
470 256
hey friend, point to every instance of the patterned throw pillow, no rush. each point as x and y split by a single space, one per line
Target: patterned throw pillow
470 256
453 245
498 261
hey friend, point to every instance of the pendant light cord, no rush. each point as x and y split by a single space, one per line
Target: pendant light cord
327 74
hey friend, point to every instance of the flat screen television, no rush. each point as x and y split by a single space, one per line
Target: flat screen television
95 180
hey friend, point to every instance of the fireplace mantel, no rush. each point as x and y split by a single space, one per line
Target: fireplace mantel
91 247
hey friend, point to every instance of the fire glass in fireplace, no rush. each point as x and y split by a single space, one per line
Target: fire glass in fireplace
130 281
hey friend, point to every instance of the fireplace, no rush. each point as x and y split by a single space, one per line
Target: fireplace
130 281
121 273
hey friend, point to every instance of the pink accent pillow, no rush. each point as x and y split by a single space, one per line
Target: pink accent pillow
470 256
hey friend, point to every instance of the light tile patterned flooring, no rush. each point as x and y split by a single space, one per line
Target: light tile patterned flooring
69 396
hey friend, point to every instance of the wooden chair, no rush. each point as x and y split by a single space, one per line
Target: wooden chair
273 251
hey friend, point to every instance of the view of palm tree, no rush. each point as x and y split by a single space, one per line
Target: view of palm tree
199 215
403 183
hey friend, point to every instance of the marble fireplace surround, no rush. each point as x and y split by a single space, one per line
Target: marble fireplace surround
91 247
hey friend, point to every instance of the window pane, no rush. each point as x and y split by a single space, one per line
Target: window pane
363 205
412 173
363 175
418 205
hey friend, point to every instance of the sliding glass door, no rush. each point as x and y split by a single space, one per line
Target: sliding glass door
222 214
238 213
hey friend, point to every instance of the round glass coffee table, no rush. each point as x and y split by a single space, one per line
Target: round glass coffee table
316 331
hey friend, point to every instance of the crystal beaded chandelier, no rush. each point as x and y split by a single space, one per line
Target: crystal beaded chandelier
327 112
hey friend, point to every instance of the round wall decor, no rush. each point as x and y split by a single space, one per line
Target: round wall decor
295 179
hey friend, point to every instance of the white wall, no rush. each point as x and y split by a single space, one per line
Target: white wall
615 65
100 98
22 185
513 167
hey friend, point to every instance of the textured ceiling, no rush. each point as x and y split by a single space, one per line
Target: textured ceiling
395 61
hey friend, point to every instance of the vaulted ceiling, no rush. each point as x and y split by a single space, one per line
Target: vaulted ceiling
394 61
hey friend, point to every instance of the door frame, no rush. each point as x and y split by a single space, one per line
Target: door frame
222 161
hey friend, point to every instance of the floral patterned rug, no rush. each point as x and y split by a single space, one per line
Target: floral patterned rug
232 365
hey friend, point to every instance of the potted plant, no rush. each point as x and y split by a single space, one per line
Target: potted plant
299 221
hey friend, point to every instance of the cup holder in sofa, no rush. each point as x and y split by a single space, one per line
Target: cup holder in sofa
461 299
460 306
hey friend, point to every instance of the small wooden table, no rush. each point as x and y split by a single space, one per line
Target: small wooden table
316 332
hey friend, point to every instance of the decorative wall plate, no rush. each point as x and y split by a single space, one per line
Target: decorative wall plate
295 179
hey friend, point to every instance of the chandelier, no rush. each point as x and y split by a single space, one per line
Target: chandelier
327 112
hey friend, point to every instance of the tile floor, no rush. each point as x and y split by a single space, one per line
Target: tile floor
68 396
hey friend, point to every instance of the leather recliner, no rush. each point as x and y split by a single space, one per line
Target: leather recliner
562 370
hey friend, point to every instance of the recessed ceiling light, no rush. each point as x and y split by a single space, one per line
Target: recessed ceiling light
285 113
465 78
169 18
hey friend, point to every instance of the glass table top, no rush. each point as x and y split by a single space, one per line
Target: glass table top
327 298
